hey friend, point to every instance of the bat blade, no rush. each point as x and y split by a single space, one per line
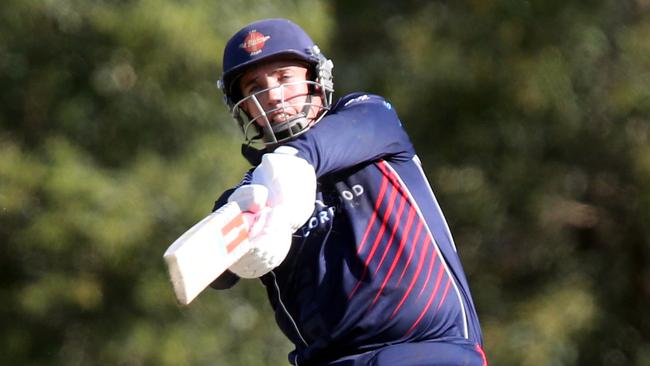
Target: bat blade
206 250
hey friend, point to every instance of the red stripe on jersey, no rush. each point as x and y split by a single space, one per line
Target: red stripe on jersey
444 294
434 293
403 200
380 235
431 297
418 269
382 229
442 272
380 197
392 176
423 313
426 282
400 250
416 237
402 204
482 353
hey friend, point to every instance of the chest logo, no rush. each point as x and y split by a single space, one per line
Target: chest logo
322 218
356 191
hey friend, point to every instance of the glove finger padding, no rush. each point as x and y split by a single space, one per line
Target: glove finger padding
291 182
251 197
271 241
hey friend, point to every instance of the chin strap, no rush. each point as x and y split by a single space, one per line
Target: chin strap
253 155
282 132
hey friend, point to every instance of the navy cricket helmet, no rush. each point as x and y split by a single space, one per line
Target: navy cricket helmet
267 40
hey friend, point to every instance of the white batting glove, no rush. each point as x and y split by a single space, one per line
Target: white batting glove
291 183
271 240
251 197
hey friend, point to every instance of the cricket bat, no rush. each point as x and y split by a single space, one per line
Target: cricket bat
207 249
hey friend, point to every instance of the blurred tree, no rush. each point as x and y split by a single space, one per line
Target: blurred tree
113 141
531 117
532 120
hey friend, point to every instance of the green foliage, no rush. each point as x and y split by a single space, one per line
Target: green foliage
82 268
113 141
531 118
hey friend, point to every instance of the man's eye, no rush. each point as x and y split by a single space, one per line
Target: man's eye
253 90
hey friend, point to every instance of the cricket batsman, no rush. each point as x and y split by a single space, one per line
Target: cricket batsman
353 249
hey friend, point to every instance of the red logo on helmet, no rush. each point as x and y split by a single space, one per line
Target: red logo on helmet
254 42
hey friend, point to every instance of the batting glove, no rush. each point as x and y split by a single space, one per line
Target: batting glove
251 197
270 237
291 183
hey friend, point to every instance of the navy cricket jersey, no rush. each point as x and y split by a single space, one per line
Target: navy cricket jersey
375 264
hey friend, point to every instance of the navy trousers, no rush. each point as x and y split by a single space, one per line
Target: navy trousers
418 354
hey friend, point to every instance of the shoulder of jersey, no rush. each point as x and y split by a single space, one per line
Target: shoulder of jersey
356 99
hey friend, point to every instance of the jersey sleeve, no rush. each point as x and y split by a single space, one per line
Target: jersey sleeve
359 129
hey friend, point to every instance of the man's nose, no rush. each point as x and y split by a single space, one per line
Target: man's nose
274 92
